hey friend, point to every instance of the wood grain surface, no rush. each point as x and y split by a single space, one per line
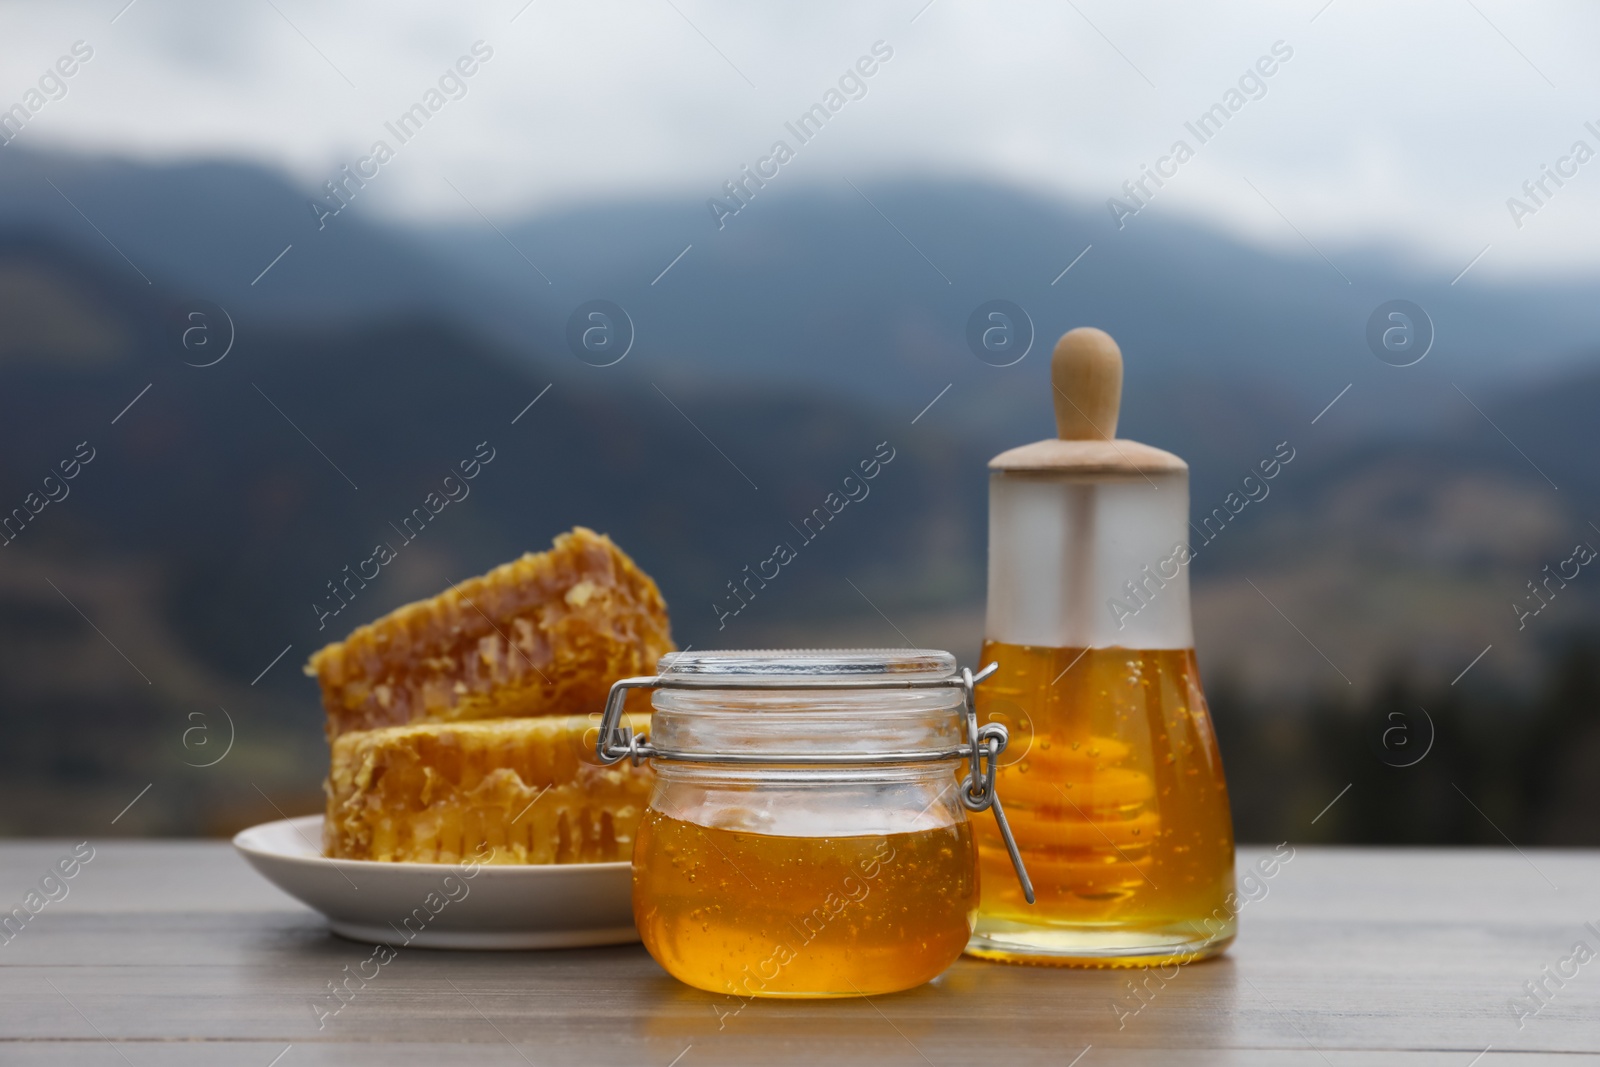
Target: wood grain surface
177 954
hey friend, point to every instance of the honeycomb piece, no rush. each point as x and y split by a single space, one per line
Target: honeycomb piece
546 634
531 789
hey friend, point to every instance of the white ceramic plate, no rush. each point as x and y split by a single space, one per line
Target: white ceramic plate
438 905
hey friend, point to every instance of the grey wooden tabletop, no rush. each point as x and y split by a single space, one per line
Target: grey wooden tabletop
176 953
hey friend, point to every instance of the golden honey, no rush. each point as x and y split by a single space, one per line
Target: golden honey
1113 785
753 914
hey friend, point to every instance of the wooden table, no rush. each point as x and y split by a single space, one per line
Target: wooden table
177 953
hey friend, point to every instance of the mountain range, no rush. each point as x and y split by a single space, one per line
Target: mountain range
768 361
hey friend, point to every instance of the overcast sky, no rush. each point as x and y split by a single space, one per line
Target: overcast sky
1403 124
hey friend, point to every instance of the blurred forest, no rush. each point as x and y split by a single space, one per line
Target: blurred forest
1425 764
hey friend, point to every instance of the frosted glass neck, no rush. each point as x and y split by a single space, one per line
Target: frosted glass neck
1081 561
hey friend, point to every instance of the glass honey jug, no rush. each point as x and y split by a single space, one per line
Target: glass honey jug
1113 781
807 835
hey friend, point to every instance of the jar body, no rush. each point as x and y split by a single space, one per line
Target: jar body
804 863
804 889
1113 781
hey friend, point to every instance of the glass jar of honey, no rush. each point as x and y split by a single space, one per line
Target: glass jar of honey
1113 779
807 835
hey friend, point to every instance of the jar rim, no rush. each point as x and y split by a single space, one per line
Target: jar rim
813 666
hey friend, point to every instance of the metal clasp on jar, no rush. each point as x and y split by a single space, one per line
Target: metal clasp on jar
982 748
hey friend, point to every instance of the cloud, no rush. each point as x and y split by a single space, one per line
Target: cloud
1403 124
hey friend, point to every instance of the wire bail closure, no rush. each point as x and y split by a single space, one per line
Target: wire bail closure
981 750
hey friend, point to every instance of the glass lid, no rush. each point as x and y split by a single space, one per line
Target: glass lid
777 667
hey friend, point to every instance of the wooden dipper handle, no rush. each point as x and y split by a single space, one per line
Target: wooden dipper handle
1086 372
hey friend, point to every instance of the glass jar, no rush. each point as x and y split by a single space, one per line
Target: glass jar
1114 777
806 836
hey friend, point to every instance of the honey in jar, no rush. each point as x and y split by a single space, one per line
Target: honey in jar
805 836
1113 782
754 914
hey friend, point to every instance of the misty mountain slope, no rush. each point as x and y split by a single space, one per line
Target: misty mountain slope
210 228
815 281
226 507
210 473
1414 553
864 292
